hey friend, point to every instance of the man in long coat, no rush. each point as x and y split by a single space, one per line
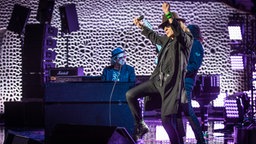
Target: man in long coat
167 79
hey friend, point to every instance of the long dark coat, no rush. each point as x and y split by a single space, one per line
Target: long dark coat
169 73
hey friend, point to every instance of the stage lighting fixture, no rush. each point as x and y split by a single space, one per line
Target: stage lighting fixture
235 32
236 28
254 77
236 107
237 62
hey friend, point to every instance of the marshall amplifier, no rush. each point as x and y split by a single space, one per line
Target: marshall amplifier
75 71
61 79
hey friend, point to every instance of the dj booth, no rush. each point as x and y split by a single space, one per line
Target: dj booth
87 104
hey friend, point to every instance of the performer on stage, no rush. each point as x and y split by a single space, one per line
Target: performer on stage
168 77
195 62
119 70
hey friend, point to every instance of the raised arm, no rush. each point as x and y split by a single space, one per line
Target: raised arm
150 34
166 10
180 29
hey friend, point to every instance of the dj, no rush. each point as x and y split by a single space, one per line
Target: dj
119 70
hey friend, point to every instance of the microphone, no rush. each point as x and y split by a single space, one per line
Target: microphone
141 18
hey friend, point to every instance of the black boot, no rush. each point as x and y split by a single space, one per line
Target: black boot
140 130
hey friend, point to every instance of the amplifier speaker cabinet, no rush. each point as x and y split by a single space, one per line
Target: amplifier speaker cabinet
71 71
87 104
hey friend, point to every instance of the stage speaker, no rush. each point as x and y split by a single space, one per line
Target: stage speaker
19 18
23 114
13 138
32 53
34 56
44 11
81 134
32 85
69 20
84 113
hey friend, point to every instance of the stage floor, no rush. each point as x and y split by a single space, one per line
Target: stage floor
216 134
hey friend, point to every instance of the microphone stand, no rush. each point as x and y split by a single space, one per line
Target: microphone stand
67 49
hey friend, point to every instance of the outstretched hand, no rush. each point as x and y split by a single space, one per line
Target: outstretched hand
166 7
137 22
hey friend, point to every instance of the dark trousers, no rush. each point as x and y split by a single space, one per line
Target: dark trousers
188 110
149 89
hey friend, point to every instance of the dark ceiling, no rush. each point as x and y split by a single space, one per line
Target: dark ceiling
244 5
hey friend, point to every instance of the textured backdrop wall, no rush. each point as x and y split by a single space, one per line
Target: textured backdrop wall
105 25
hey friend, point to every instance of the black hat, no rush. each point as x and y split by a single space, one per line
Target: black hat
116 51
166 22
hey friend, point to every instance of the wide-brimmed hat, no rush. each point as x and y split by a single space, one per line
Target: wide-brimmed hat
166 22
116 51
196 32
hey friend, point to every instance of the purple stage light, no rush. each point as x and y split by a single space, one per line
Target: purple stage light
237 62
235 32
